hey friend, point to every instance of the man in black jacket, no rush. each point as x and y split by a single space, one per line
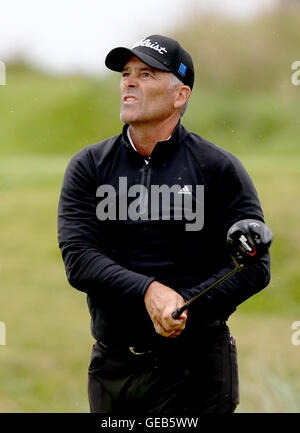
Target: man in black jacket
142 226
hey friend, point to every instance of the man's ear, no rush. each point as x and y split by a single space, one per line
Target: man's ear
182 95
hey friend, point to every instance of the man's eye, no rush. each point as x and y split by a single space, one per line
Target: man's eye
125 74
146 74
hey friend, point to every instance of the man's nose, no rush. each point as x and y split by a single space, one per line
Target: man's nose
132 81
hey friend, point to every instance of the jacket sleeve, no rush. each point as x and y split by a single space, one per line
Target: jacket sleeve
222 300
237 199
88 267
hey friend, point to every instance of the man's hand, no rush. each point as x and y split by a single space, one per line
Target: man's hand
161 301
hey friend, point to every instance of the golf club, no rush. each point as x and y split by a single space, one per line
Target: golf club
246 239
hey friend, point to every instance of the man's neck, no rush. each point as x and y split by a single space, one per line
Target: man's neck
146 137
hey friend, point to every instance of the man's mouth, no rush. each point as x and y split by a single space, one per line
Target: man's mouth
129 99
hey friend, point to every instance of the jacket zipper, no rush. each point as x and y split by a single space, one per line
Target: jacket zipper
145 181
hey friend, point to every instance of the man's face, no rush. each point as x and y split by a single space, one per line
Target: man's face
146 94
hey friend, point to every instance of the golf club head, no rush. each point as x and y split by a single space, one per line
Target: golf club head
248 239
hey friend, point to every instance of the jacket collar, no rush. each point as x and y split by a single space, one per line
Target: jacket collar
163 148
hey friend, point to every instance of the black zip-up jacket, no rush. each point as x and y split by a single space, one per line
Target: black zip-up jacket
115 260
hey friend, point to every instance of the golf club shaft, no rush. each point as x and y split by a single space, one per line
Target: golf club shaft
176 314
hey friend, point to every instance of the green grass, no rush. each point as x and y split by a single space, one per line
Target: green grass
47 115
44 364
263 123
47 322
268 363
55 115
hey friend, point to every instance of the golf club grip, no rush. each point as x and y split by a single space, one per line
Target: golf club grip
176 313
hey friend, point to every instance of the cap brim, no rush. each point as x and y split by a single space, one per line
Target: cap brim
117 58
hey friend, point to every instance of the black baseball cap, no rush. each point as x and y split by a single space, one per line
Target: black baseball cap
159 52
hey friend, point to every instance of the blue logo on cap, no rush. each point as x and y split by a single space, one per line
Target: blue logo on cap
182 69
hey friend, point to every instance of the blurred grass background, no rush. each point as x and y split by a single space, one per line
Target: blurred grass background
244 101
